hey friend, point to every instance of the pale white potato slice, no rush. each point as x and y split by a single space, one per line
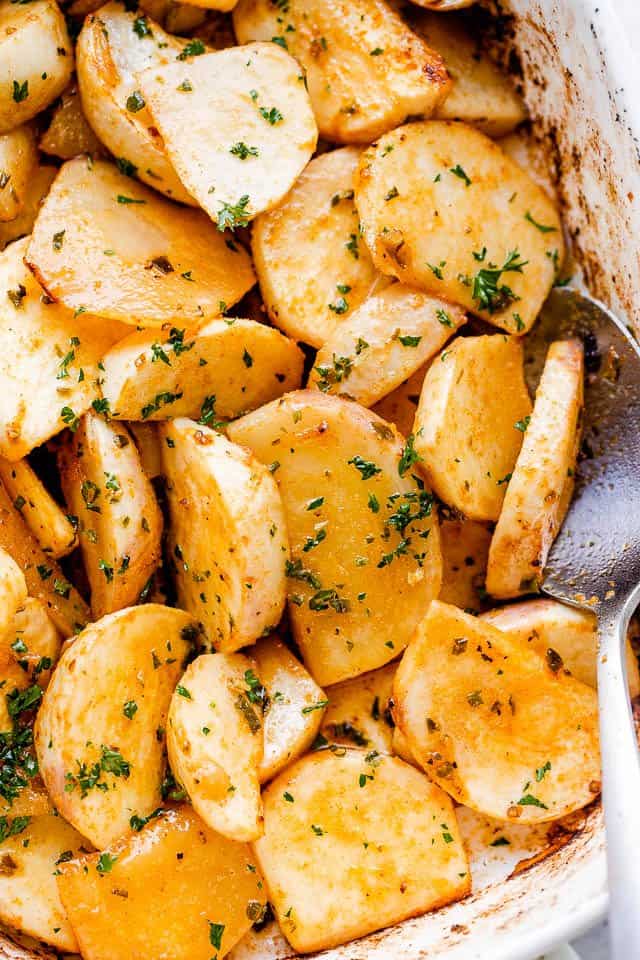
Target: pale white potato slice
358 713
215 741
18 162
339 851
240 363
311 262
96 731
148 444
383 342
120 523
47 521
483 233
36 59
263 137
69 133
465 550
539 492
37 189
114 46
399 407
228 538
468 699
365 552
366 71
468 430
105 244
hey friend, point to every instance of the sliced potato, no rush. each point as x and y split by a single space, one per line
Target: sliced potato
468 432
483 234
366 71
96 731
479 730
163 263
311 262
531 154
49 524
148 444
385 340
465 550
339 852
13 591
36 59
37 189
214 894
240 363
30 648
215 740
400 747
365 553
399 407
18 162
69 133
359 713
228 535
540 489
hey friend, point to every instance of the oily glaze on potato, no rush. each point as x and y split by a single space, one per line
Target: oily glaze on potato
358 712
18 162
465 550
44 517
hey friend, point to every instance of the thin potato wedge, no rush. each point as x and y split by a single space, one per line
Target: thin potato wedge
339 852
468 431
96 731
228 536
358 713
148 443
483 234
540 489
215 741
383 342
480 732
49 524
37 189
399 407
365 554
18 162
214 894
69 133
163 263
366 71
465 550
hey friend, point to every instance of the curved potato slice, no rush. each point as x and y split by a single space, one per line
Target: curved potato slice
120 522
18 162
468 432
385 340
366 71
365 553
530 154
263 137
215 740
399 407
36 59
240 363
483 234
539 492
52 528
104 243
31 647
228 535
69 133
37 189
96 730
339 851
13 591
465 550
358 713
467 697
310 261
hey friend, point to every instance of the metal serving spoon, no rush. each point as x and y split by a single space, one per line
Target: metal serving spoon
595 564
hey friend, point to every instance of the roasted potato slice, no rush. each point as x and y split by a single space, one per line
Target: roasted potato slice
18 162
365 553
163 263
366 71
30 647
96 732
483 234
311 262
215 741
385 340
49 524
465 550
358 713
399 407
37 189
120 904
539 492
469 433
13 591
339 854
531 155
240 363
148 444
36 59
480 731
69 133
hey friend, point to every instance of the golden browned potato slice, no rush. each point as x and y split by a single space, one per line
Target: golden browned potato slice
366 71
69 133
240 363
293 708
481 234
365 552
400 747
49 524
96 732
114 46
539 492
312 264
36 59
29 648
176 888
467 697
13 591
148 443
399 407
215 740
465 549
339 852
530 154
228 537
358 713
37 189
105 244
383 342
469 432
18 163
120 522
263 137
